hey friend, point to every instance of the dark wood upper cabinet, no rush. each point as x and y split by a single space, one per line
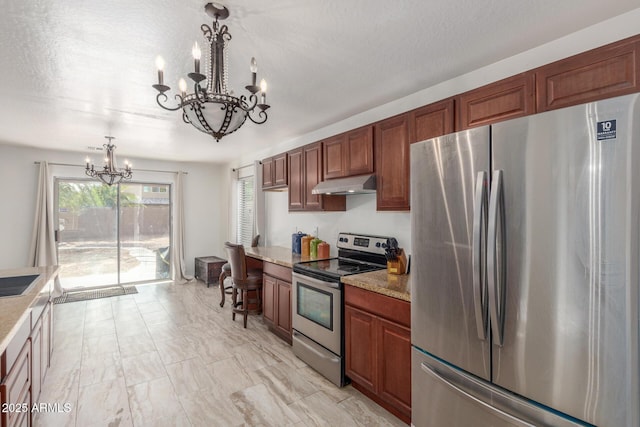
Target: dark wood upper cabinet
280 170
267 173
600 73
392 163
312 155
335 157
432 120
505 99
274 172
348 154
296 180
305 172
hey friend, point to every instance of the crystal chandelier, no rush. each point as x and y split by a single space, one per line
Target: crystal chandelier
109 174
214 110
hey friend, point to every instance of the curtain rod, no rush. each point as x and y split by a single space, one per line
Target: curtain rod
139 170
243 167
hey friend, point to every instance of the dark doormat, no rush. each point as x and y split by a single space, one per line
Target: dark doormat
74 296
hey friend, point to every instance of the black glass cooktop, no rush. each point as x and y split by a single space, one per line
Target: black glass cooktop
334 267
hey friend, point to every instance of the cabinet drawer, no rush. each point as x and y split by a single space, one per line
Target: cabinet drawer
15 346
278 271
387 307
15 388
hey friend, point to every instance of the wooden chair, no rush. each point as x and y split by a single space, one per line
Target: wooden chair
226 272
247 282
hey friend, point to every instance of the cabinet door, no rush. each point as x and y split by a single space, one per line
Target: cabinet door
600 73
269 298
432 120
505 99
280 170
46 340
359 151
394 364
283 321
267 173
335 157
312 176
392 163
296 180
36 360
360 347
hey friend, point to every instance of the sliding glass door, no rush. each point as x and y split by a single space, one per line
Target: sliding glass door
112 235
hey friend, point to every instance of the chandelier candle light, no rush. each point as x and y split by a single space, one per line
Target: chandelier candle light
214 110
109 174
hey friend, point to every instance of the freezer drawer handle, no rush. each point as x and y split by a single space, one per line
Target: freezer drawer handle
496 259
480 298
498 412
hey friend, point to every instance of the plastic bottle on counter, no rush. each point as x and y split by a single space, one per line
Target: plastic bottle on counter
306 246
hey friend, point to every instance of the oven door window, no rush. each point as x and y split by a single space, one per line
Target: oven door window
316 305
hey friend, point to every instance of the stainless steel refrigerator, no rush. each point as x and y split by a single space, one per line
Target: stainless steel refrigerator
525 271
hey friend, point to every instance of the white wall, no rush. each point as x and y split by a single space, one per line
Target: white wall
361 215
205 199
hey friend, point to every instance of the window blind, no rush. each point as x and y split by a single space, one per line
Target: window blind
244 232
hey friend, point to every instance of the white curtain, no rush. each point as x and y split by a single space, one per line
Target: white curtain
259 204
43 244
178 266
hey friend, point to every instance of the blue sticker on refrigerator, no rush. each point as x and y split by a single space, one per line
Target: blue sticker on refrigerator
606 130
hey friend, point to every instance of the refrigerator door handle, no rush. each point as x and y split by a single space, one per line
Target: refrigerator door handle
496 411
496 258
479 246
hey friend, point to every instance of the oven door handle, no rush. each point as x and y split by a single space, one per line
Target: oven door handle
317 282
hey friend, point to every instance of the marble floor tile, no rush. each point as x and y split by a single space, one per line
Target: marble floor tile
175 350
94 346
153 399
261 406
150 307
100 368
135 344
142 368
229 376
189 376
206 410
285 382
367 413
104 403
96 328
320 410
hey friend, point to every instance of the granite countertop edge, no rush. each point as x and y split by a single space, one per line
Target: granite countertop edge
395 286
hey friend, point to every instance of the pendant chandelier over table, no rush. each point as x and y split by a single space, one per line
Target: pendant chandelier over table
109 174
214 110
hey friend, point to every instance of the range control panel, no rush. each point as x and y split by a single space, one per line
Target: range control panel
362 242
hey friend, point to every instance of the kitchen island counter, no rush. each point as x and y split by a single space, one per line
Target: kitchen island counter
14 310
395 286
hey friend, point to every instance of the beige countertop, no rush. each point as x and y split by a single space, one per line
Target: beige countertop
13 310
277 255
396 286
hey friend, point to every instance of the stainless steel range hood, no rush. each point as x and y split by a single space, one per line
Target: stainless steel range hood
363 184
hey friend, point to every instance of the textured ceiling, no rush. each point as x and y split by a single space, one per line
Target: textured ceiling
72 71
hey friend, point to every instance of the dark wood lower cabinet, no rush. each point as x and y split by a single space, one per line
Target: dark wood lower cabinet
276 299
378 348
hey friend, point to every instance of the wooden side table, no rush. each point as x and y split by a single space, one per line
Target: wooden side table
208 268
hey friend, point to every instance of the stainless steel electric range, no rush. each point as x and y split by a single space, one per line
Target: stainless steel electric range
318 301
